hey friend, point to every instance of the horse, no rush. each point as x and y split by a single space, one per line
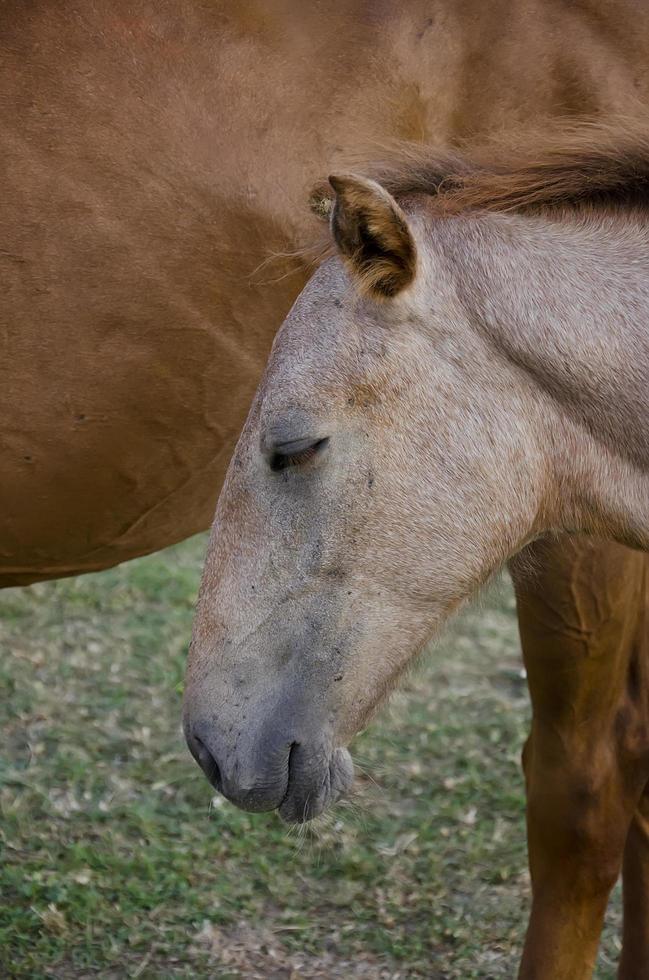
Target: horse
463 381
154 155
153 158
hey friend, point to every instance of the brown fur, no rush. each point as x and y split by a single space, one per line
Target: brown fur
595 164
583 164
155 155
372 235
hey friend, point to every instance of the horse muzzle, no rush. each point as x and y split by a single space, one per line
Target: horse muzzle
276 771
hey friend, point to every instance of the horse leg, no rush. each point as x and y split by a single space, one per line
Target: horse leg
634 963
580 606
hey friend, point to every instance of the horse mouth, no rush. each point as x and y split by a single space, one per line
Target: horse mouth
312 789
299 780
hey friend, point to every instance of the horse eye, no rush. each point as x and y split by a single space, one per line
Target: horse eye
296 453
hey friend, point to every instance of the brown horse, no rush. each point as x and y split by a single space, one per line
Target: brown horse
153 156
469 374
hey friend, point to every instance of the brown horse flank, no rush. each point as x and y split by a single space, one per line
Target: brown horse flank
468 374
154 154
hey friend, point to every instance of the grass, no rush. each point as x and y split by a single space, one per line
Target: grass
116 862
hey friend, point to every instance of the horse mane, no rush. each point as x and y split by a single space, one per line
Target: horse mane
590 163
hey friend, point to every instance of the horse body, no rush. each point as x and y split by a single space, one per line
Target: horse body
154 159
444 392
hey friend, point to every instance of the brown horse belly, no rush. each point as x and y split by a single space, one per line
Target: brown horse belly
153 162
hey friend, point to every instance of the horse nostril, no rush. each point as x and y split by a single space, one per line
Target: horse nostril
207 762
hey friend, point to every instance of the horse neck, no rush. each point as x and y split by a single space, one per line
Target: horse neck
565 301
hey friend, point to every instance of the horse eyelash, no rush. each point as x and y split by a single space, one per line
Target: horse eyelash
281 461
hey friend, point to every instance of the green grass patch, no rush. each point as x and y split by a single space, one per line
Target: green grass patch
115 861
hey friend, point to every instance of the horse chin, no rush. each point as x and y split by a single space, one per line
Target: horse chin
312 789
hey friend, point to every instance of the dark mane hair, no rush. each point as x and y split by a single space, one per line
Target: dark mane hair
590 163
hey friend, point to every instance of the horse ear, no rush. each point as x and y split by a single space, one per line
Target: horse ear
373 236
